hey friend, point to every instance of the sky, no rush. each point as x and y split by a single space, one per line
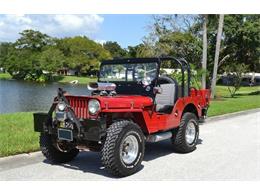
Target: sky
125 29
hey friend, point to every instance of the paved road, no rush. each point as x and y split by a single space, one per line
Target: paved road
229 149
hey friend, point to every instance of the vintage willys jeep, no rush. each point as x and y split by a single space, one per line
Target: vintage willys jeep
129 105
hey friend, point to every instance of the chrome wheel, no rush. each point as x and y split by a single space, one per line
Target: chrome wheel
190 133
129 149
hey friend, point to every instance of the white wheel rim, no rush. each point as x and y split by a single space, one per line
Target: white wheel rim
190 133
129 149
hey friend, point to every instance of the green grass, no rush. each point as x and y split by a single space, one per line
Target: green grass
60 79
245 99
68 79
16 134
5 76
222 91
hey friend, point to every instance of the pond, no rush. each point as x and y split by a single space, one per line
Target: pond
19 96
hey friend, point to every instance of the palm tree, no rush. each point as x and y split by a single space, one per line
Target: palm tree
204 55
216 59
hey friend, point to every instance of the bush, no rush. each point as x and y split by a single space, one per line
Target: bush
195 76
234 77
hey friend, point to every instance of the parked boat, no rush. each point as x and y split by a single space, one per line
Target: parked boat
74 82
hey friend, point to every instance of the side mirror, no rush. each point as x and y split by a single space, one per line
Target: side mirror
157 90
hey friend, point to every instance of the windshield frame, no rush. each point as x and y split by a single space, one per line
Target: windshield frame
131 61
181 62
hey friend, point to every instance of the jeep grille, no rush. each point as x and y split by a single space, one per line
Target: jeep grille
79 105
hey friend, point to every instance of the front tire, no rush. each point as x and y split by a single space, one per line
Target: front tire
185 138
52 153
123 150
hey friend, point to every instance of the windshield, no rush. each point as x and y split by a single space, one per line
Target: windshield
128 72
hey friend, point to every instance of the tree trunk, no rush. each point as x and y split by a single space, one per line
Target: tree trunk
252 79
216 59
204 55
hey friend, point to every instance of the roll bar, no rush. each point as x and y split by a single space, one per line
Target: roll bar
184 65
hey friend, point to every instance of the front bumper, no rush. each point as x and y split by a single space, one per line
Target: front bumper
91 129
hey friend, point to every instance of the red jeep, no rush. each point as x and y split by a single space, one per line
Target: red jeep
129 105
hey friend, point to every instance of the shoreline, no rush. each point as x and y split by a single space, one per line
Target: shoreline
62 79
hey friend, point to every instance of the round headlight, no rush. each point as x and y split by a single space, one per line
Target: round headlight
61 106
93 106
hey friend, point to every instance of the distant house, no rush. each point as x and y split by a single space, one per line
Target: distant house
246 79
169 71
68 72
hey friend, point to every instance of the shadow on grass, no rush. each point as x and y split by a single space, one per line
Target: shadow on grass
234 97
244 94
255 93
90 162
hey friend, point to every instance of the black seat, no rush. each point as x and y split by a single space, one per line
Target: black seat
169 95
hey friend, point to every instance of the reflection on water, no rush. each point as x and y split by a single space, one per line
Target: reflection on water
18 96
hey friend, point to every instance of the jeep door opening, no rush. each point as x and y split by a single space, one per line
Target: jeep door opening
131 104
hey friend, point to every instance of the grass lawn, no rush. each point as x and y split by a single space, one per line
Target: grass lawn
17 135
60 79
244 100
82 80
5 76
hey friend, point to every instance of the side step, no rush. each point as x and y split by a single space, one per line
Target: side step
159 136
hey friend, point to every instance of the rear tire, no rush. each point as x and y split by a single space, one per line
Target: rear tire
123 150
185 138
52 153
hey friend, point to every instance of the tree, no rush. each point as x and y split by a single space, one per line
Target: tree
204 55
147 48
234 76
5 49
115 49
51 59
33 40
135 51
22 62
216 60
82 53
242 40
171 35
23 55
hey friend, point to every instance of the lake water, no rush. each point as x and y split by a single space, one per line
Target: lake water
19 96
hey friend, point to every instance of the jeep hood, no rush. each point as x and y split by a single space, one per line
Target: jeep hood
124 102
114 102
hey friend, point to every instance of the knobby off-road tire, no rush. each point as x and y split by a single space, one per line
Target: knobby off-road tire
52 153
114 158
181 142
